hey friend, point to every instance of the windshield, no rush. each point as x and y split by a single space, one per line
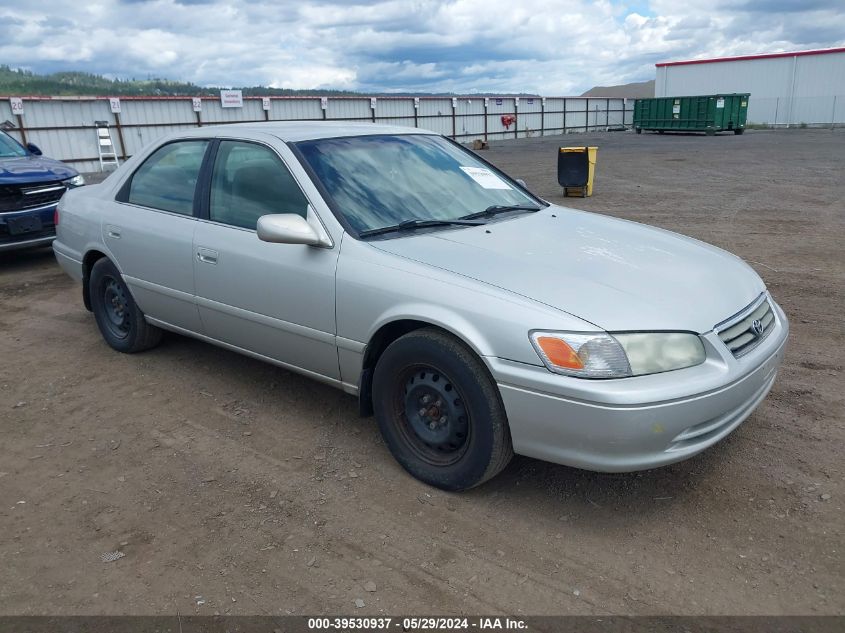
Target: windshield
379 181
9 147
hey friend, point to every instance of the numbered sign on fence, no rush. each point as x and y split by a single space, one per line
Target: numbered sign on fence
196 103
265 103
324 102
114 104
17 105
373 103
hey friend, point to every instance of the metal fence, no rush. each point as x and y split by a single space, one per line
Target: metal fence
64 127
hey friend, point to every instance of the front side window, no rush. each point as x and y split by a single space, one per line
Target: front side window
168 178
9 147
377 181
248 181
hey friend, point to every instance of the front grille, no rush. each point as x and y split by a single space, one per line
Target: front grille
747 329
20 197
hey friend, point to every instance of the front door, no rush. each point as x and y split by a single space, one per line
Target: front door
276 300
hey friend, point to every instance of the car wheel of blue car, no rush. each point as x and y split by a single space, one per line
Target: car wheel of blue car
121 322
439 411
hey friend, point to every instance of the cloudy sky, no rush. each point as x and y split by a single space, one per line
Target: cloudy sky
543 46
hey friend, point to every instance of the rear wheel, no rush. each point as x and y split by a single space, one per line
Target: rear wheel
121 322
739 131
439 411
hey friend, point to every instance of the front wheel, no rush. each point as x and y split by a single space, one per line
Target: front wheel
121 322
440 412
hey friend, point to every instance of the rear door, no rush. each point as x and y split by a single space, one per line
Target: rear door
276 300
150 232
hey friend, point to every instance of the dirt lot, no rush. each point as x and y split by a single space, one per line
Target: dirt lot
235 487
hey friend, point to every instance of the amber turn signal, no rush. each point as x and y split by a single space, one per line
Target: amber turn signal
559 353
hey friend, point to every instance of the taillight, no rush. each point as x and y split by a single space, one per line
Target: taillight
56 217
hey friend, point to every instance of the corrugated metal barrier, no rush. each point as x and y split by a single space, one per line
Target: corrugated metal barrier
64 127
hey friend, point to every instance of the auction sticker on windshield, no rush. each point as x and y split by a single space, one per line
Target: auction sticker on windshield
485 178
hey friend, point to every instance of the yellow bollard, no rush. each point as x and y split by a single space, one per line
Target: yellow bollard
592 154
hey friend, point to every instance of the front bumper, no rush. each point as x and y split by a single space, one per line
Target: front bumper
44 240
42 237
637 423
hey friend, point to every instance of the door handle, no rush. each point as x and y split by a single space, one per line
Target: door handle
113 231
207 256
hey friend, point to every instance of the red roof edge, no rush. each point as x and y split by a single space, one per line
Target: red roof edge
739 58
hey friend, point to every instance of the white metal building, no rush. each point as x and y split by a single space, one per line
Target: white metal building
803 87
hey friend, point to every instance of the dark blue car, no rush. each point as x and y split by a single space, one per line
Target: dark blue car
30 188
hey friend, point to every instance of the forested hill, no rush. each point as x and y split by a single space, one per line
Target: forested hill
25 83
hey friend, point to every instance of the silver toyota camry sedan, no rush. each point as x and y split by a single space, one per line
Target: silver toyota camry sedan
474 319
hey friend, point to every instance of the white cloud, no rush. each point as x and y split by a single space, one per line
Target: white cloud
545 46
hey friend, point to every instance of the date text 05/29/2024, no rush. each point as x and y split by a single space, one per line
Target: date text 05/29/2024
416 624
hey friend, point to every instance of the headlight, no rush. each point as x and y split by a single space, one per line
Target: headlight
603 355
653 352
76 181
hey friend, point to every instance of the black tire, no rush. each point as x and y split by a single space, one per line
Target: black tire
740 131
639 130
121 322
470 441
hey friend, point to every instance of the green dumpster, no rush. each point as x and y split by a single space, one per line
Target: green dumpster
707 113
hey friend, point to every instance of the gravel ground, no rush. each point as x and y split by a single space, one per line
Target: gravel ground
232 486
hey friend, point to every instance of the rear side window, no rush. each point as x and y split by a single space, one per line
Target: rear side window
248 181
168 178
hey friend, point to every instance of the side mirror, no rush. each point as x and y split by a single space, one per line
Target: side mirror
521 183
287 228
33 149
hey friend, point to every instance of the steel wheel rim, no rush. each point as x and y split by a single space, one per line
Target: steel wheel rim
432 416
116 307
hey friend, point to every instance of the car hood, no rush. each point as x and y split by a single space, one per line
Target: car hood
30 169
616 274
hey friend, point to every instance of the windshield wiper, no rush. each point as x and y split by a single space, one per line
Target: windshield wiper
410 225
498 208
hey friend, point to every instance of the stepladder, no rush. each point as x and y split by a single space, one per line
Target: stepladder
105 147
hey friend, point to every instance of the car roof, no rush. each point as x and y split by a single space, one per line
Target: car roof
304 130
